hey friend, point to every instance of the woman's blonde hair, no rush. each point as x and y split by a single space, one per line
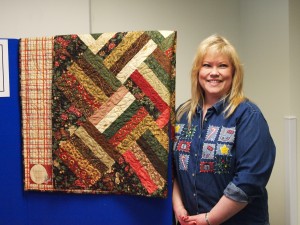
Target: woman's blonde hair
235 96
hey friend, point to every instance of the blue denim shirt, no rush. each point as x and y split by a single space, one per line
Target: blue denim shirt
231 156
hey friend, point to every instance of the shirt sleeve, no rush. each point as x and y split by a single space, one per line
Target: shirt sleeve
255 156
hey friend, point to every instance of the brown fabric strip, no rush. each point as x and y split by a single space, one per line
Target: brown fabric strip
101 140
81 105
162 59
95 76
150 153
88 154
128 55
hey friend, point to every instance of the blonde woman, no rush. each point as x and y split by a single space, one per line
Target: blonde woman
223 150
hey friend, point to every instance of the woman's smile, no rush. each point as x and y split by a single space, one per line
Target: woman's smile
214 82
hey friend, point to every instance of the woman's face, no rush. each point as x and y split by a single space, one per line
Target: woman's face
215 76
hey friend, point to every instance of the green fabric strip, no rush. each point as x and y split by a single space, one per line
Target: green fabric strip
122 120
97 63
151 153
157 69
157 37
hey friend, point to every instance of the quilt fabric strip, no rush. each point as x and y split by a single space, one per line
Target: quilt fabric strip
113 98
36 79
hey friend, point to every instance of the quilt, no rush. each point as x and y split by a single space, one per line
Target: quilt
98 112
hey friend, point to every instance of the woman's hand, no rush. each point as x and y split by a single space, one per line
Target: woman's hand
181 215
196 219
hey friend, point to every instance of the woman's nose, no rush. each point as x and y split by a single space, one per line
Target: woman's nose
214 71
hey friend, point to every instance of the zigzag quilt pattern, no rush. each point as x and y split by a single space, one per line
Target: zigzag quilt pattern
112 112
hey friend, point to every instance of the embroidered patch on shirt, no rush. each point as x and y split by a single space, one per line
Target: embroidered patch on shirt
212 132
208 151
183 161
184 146
227 134
177 131
206 167
223 149
187 133
178 128
222 164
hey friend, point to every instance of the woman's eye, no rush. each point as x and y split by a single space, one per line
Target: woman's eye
223 65
206 65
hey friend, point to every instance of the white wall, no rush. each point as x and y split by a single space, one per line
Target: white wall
265 50
294 46
34 18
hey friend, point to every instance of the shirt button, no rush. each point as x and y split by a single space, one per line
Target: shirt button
193 174
205 119
196 154
194 194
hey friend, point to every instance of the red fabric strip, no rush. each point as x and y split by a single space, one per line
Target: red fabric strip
84 179
79 91
128 127
140 172
149 91
163 119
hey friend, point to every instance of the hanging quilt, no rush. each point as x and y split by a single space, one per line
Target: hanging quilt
98 112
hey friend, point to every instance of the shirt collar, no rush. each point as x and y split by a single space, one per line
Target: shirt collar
218 106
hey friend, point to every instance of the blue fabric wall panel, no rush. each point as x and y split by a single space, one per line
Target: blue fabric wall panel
12 202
